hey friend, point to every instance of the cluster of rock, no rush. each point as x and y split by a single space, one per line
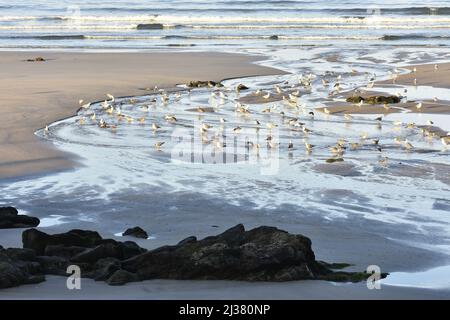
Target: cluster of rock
260 254
203 84
37 59
10 218
374 99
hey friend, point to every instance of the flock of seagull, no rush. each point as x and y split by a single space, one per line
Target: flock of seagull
289 93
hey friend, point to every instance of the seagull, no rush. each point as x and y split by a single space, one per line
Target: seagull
222 120
306 130
266 96
436 67
415 82
325 83
290 145
408 145
309 146
419 106
237 129
110 96
278 89
165 98
171 118
46 130
326 110
86 105
155 127
158 145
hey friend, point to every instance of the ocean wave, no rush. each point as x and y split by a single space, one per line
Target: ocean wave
180 37
172 19
225 37
125 27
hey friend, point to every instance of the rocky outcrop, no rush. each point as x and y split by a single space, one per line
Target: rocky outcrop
10 218
202 84
150 26
242 87
260 254
17 267
136 232
374 99
37 59
39 241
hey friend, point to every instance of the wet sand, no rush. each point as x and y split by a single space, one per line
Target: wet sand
34 94
355 240
54 288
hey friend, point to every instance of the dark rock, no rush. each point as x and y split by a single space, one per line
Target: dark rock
150 26
274 37
37 59
92 255
201 84
121 277
62 251
136 232
20 254
9 218
187 240
374 99
261 254
38 241
241 87
15 272
104 269
53 265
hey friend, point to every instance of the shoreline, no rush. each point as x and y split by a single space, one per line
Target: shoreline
89 76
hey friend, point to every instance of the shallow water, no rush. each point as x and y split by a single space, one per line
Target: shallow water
124 156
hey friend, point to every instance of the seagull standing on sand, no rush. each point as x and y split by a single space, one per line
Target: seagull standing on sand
419 106
110 96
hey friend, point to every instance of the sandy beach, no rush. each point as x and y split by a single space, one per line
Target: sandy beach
35 94
228 150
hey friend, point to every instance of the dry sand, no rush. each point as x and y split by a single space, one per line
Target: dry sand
34 94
